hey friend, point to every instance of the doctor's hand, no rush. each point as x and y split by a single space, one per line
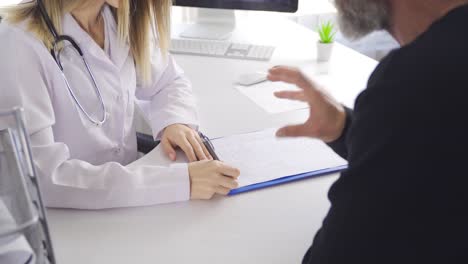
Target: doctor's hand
326 117
187 139
208 178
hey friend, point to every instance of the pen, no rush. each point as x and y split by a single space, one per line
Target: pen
209 146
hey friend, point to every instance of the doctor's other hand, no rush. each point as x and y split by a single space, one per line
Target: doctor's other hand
186 138
208 178
326 117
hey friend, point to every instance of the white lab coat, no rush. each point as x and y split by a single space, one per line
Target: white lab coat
81 165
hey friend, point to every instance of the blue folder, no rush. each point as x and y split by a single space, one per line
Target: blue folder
287 179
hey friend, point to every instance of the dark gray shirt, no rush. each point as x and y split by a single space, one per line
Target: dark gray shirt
404 198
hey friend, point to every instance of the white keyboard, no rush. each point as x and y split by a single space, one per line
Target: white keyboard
222 49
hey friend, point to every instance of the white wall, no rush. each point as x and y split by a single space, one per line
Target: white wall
312 12
9 2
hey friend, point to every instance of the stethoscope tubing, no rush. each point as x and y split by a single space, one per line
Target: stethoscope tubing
58 38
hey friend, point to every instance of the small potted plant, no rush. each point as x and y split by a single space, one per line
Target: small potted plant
327 33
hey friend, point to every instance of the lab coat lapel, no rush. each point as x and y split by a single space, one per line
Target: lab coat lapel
85 41
117 53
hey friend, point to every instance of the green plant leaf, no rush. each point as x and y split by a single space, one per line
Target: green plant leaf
327 32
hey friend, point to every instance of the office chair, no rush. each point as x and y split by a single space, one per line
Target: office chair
22 212
145 143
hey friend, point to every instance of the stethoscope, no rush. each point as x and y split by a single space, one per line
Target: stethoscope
55 51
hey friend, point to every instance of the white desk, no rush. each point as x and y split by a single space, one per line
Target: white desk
274 225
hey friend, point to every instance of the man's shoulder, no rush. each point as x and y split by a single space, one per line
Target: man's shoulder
430 69
440 53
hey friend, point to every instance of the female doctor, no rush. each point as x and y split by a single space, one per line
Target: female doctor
78 67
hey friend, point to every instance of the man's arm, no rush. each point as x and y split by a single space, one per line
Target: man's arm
339 145
368 194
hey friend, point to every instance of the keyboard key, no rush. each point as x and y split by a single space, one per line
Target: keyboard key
221 49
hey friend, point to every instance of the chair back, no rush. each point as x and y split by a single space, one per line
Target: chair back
22 212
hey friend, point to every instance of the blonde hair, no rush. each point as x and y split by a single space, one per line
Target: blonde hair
136 19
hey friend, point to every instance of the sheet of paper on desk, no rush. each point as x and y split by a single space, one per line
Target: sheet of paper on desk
261 156
262 94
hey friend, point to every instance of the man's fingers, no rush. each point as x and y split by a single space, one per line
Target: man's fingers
281 70
188 150
197 148
290 75
284 74
168 149
293 131
292 95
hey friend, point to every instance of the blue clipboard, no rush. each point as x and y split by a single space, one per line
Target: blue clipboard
287 179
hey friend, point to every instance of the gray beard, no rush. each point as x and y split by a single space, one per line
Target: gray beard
358 18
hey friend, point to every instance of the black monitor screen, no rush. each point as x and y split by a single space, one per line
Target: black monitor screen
266 5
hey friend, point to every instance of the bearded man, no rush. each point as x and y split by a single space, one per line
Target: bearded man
404 197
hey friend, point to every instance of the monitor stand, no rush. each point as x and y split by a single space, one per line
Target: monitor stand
211 24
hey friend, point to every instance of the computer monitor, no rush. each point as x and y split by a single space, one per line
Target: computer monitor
216 19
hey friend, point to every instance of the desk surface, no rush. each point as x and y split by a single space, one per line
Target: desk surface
274 225
225 111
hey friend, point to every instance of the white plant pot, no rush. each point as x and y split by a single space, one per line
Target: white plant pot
324 51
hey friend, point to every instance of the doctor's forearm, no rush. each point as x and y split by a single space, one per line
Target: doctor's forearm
72 183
